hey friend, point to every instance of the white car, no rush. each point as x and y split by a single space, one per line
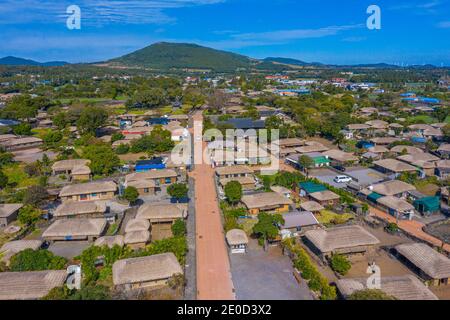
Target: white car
342 179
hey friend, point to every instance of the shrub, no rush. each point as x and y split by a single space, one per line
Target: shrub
36 260
130 194
340 264
233 192
179 228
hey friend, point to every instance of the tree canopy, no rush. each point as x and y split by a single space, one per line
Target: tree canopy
36 260
233 192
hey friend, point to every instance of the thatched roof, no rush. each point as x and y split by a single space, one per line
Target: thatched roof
81 170
325 195
390 188
141 184
144 269
241 180
151 175
265 199
405 287
433 263
137 225
312 148
110 241
90 187
358 126
8 209
153 211
424 156
29 285
75 228
409 149
66 165
71 208
340 155
395 165
384 140
395 203
290 142
133 237
19 141
340 238
311 206
11 248
231 170
236 236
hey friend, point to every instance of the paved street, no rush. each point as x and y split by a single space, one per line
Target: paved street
213 266
260 275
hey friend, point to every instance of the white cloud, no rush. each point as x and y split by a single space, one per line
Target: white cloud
94 12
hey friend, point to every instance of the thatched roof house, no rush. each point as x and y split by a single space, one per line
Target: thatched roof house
394 166
145 271
266 201
89 191
75 229
347 239
405 287
8 213
430 264
137 225
110 241
393 187
29 285
311 206
162 212
84 208
11 248
236 237
137 239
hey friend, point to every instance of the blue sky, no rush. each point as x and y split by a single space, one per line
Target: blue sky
328 31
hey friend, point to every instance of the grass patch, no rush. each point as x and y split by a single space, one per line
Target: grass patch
112 229
18 178
329 217
421 119
248 224
40 133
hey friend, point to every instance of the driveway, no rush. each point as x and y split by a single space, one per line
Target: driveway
68 249
327 176
260 275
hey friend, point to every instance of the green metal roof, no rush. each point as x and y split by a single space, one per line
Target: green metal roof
321 160
311 187
374 196
427 204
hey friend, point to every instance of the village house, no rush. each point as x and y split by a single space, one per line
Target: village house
432 266
317 147
397 207
443 169
85 209
162 217
160 177
77 169
89 191
401 149
237 240
340 158
30 285
11 248
311 206
266 201
8 213
342 240
395 188
296 223
393 167
405 287
145 272
75 229
21 143
110 241
137 233
444 150
325 198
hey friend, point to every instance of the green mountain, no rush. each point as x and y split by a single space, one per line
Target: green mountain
15 61
166 56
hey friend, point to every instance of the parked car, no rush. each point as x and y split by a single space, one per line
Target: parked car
342 179
340 168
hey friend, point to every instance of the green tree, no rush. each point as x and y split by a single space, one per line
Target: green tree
340 264
266 228
370 294
103 159
178 190
35 195
306 163
92 118
28 215
52 138
117 136
122 149
22 129
61 120
179 228
151 98
36 260
91 292
233 192
6 158
130 194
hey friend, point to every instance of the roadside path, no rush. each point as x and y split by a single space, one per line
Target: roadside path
213 265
